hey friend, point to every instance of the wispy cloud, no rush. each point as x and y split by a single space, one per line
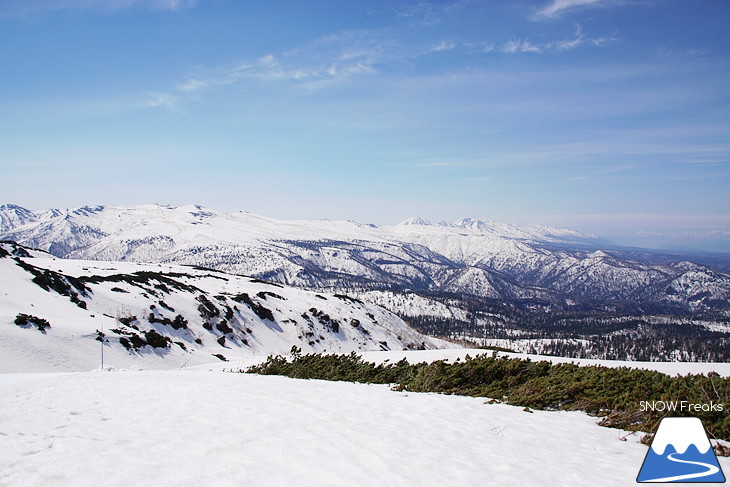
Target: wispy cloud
521 45
335 60
309 67
524 45
556 8
13 9
277 68
338 58
194 84
175 4
443 46
428 13
162 100
579 39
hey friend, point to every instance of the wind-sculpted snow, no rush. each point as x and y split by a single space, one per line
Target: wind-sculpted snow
469 257
169 315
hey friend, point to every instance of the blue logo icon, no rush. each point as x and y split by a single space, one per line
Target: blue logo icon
681 452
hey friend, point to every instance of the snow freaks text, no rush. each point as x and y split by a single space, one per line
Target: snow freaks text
680 406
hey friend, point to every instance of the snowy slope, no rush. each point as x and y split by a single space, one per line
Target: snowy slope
164 316
191 428
470 257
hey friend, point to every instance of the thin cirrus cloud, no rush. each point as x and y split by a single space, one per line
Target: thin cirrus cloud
272 68
338 57
13 9
514 46
443 46
162 100
557 8
320 63
426 13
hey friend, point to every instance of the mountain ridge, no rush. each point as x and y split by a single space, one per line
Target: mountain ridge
24 216
555 267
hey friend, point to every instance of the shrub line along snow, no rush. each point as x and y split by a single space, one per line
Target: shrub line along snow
616 394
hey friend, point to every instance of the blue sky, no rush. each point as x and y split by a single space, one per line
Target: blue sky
606 116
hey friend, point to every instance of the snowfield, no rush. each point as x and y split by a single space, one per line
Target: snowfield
201 427
217 314
195 424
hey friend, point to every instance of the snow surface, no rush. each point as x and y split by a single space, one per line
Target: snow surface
180 428
314 322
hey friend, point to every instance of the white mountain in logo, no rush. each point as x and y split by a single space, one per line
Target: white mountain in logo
681 433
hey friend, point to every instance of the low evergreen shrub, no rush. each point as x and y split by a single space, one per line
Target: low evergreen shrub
23 319
156 340
614 394
260 310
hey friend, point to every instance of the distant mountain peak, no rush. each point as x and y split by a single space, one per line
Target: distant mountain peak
13 215
416 220
10 206
87 210
473 223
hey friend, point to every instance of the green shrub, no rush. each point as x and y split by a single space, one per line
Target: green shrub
23 319
126 320
611 393
264 294
179 323
222 326
207 309
260 310
156 340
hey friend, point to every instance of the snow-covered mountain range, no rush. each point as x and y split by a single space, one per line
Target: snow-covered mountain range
545 265
52 312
